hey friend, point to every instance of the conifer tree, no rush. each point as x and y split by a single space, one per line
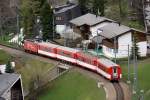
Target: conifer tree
47 21
9 68
135 48
83 6
98 7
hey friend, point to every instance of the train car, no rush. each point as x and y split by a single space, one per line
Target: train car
87 61
30 46
103 66
108 69
47 49
67 54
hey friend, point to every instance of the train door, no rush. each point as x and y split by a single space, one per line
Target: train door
115 72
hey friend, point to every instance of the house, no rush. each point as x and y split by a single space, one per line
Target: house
113 35
63 14
11 87
87 24
121 37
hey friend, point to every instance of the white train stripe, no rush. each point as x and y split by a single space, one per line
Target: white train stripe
66 58
104 73
86 65
76 61
46 53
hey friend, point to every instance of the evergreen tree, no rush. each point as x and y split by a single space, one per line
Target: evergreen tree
9 68
47 21
135 48
30 9
83 6
98 7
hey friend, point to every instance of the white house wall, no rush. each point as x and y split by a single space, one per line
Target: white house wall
60 29
143 48
123 42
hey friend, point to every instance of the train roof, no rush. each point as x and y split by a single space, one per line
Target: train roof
68 49
108 63
48 44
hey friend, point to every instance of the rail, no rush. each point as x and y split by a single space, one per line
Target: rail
119 91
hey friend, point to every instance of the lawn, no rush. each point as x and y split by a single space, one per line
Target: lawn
4 57
72 86
27 67
30 69
143 75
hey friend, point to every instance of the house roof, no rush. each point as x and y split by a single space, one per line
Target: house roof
6 81
65 9
113 29
88 19
56 3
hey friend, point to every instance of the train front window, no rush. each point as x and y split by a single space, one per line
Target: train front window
115 70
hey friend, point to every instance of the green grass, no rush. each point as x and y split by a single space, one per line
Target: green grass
26 66
143 75
72 86
31 68
4 57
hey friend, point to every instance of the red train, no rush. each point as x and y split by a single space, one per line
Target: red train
103 66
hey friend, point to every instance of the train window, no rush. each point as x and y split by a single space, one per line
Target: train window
81 58
115 70
45 49
66 54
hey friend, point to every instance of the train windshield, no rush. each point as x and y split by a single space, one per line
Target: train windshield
115 74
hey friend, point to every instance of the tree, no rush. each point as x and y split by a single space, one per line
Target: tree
83 6
9 68
30 9
47 21
98 7
135 48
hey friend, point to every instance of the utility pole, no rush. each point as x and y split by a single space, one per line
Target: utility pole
128 64
97 44
135 71
1 21
18 27
115 48
53 24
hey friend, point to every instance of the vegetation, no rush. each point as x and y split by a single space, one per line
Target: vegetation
72 86
135 48
9 68
143 76
4 57
47 21
31 10
83 6
32 71
98 7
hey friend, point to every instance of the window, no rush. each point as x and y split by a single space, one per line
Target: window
58 18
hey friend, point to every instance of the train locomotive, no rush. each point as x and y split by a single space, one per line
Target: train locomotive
102 66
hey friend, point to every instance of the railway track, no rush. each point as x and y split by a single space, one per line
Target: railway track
118 88
119 91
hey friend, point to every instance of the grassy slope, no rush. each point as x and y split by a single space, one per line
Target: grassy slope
73 86
143 75
31 68
4 57
27 67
